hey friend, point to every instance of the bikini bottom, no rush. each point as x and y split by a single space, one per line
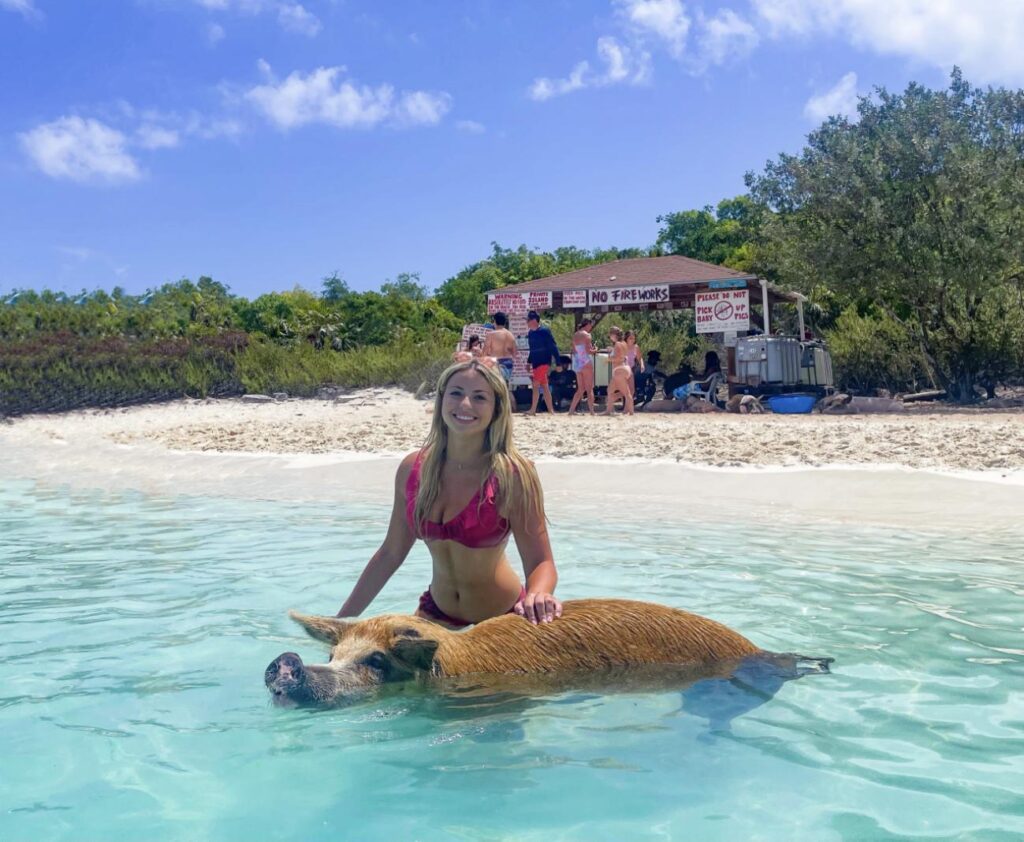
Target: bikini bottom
428 609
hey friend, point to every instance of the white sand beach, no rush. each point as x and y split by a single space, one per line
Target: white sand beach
925 468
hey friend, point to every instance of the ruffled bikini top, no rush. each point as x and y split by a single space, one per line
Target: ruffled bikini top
478 525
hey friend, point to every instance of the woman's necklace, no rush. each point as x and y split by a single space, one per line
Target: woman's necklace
463 466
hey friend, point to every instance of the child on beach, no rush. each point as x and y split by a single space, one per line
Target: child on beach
464 493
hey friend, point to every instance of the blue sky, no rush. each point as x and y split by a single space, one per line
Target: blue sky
269 143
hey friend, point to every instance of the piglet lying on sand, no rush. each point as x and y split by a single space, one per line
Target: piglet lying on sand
593 635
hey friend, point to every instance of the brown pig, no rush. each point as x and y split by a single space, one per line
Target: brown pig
592 635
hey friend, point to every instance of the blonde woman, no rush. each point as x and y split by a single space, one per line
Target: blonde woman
464 493
621 372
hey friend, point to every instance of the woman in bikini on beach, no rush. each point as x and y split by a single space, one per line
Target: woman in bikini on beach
464 493
621 372
583 364
634 360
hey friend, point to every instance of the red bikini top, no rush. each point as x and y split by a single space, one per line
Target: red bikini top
478 525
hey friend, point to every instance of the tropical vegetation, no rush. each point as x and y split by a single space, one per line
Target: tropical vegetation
903 226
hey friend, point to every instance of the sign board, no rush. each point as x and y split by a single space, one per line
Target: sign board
724 310
656 294
510 303
517 303
574 298
538 300
734 283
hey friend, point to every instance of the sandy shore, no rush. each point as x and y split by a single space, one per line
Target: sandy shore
392 422
933 471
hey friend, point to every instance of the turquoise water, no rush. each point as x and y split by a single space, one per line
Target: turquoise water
134 632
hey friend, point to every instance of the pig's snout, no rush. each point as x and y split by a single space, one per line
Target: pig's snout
285 675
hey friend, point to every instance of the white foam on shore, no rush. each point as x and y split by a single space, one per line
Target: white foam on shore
1008 476
892 496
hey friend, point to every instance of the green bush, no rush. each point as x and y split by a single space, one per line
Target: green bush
874 351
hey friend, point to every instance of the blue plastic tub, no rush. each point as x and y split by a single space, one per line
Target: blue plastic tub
791 404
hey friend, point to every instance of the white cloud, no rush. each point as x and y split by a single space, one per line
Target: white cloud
295 18
291 16
665 19
982 37
149 136
470 127
321 97
81 150
724 38
422 108
213 33
545 88
26 8
211 128
619 63
840 99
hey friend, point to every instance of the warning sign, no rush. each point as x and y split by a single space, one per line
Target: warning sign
722 310
518 303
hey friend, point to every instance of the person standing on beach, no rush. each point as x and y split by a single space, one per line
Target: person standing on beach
501 344
634 360
619 386
543 352
464 493
583 351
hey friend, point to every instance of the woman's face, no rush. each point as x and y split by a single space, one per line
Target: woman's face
631 340
468 404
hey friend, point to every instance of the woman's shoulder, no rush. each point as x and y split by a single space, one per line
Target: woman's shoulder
406 466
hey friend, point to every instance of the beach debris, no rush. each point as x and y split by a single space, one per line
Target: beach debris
279 396
257 399
930 395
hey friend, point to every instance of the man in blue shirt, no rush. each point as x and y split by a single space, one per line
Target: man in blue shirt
543 351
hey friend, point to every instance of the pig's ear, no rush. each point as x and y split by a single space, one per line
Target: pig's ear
417 652
328 629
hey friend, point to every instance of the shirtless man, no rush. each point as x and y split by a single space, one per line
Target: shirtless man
501 344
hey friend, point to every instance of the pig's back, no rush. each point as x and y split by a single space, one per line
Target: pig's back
591 634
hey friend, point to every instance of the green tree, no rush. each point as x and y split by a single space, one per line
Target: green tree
724 235
917 207
406 285
333 288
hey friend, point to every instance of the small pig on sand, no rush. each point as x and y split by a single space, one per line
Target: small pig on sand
593 635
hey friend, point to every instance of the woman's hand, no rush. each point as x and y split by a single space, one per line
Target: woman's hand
539 607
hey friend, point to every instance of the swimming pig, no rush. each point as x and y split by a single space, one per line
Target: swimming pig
592 636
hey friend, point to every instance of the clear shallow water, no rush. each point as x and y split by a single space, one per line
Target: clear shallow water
134 632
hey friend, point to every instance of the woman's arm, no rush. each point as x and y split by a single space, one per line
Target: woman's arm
529 527
391 554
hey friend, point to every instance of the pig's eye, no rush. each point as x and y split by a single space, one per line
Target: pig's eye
376 661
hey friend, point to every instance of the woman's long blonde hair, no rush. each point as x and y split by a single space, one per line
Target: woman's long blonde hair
519 491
